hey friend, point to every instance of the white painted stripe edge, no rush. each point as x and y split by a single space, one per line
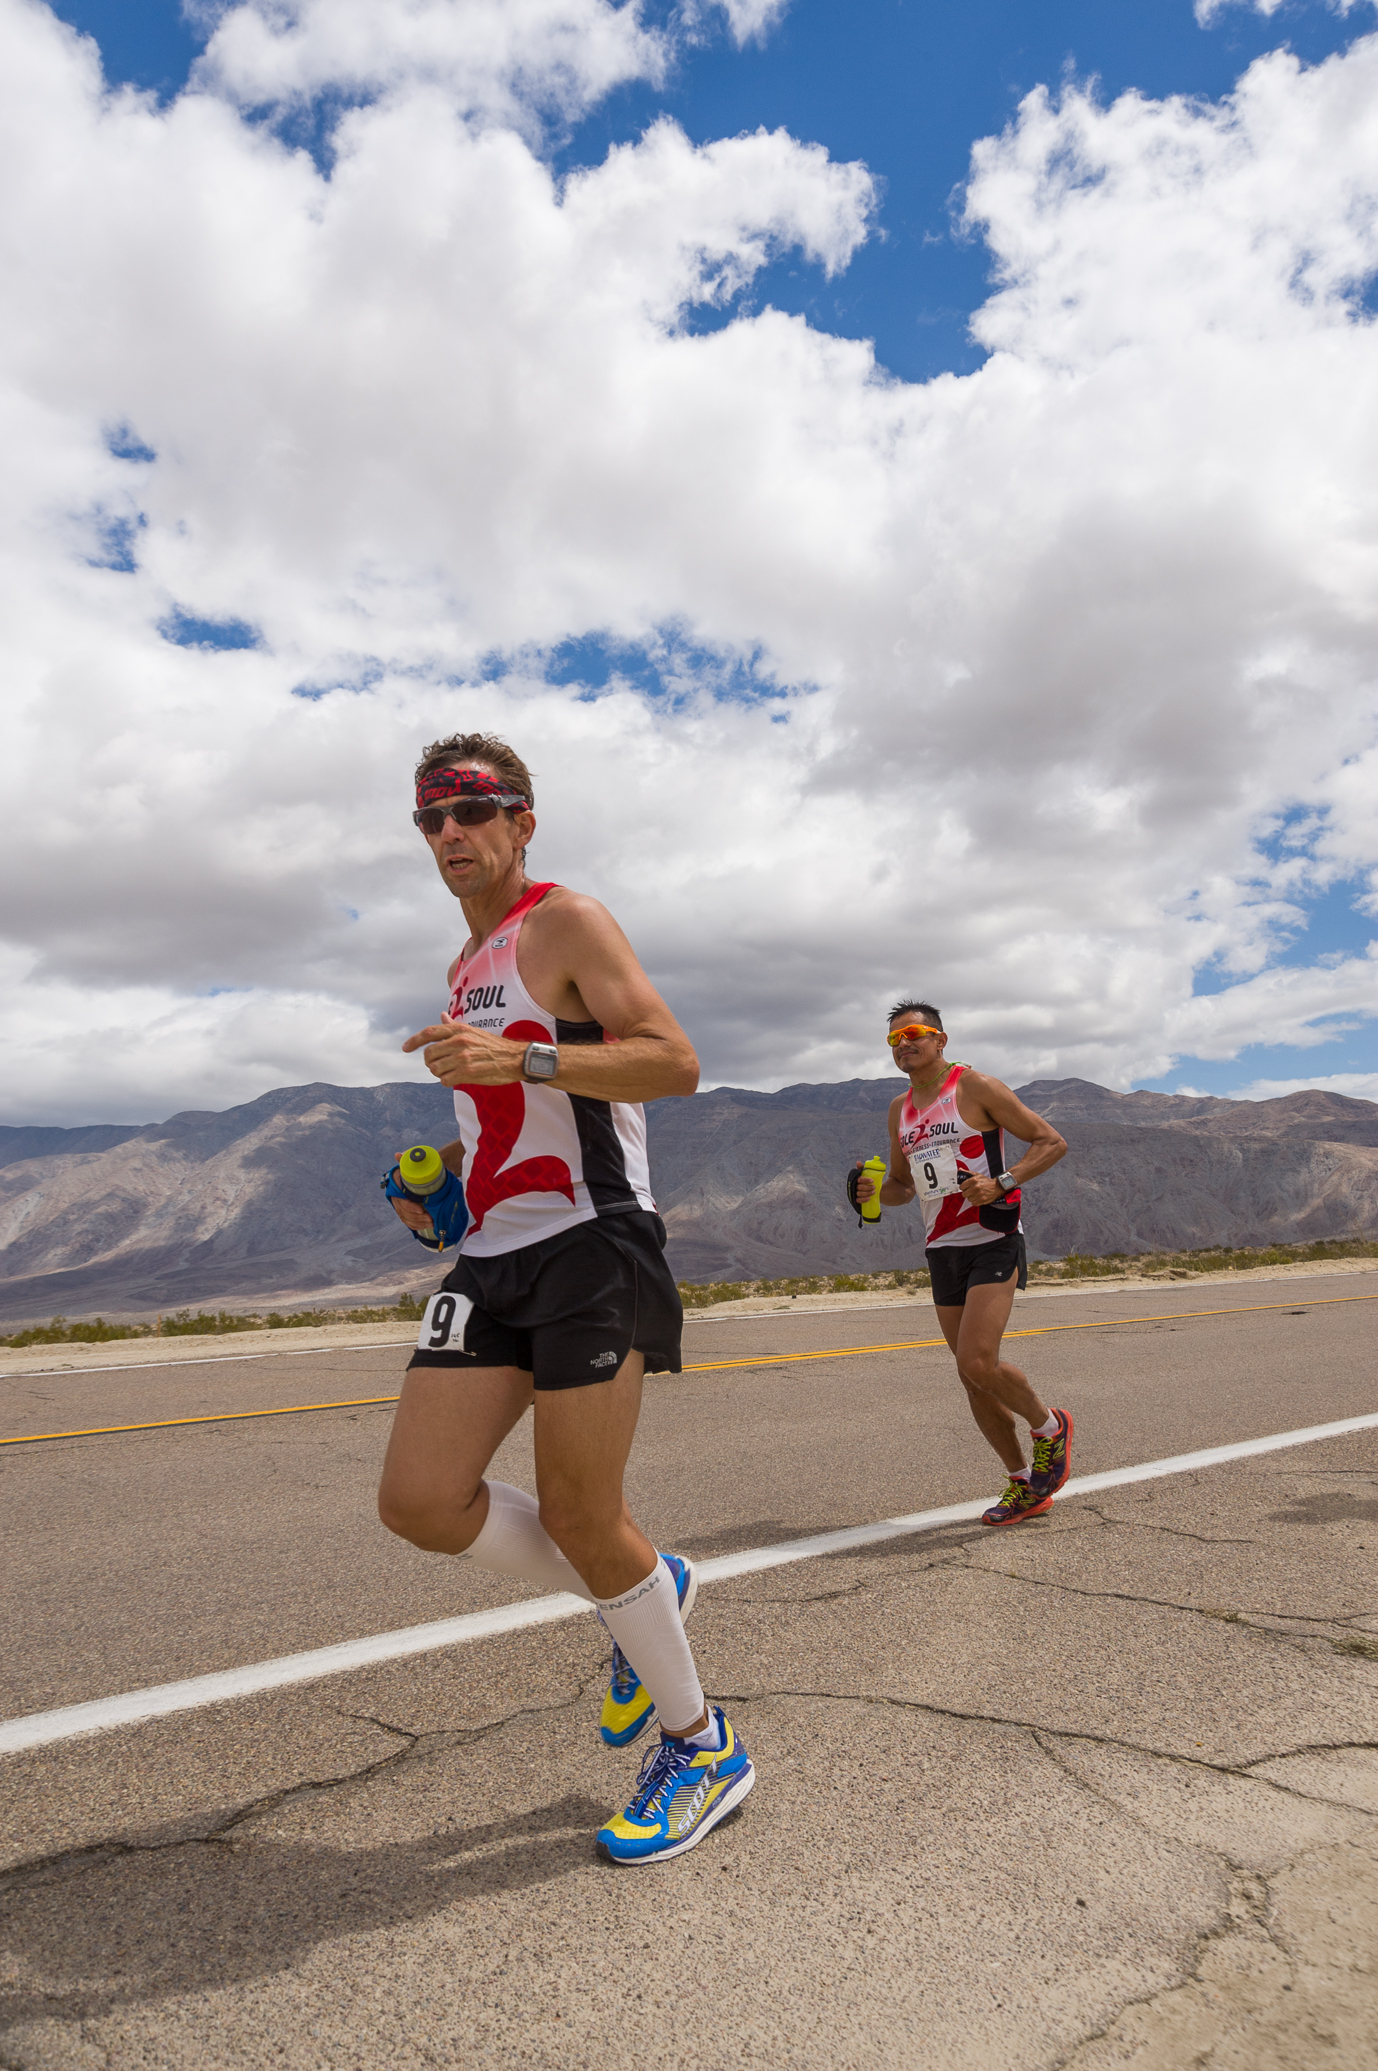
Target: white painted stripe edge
42 1729
41 1373
39 1729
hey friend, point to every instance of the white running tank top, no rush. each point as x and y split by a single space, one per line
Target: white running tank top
950 1219
536 1161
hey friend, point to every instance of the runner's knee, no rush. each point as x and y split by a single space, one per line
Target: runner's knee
409 1520
563 1520
425 1517
574 1523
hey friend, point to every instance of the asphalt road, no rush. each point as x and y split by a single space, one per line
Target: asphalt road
1100 1790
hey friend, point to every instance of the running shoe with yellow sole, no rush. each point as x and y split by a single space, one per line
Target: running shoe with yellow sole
627 1707
1052 1460
1019 1501
681 1793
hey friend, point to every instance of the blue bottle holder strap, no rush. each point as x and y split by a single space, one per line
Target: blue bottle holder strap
446 1207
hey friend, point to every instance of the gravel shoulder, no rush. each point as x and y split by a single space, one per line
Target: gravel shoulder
357 1337
827 1304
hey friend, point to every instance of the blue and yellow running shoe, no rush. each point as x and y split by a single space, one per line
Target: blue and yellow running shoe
681 1792
627 1708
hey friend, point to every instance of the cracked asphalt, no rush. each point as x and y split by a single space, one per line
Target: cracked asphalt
1098 1791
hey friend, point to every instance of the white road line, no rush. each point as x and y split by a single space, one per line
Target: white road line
41 1729
37 1373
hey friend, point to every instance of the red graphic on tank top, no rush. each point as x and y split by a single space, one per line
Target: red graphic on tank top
972 1146
501 1113
955 1211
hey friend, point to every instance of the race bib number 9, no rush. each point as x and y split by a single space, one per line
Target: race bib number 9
443 1325
934 1171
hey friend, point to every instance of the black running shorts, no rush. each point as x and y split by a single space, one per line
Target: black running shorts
567 1310
956 1267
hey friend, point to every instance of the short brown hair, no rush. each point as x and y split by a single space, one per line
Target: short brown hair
479 747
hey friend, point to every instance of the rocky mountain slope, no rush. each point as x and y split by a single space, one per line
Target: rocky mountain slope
750 1183
281 1195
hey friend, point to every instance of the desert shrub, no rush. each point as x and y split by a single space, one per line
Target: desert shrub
61 1332
703 1297
208 1323
205 1324
711 1292
1210 1258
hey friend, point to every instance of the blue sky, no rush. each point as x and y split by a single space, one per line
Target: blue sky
907 88
905 85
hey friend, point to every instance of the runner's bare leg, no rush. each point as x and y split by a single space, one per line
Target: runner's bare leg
583 1439
996 1390
447 1428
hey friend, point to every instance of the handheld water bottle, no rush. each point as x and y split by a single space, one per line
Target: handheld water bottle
421 1174
875 1170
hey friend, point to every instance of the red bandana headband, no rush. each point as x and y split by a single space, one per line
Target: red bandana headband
464 783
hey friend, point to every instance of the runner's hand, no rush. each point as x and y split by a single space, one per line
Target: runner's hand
981 1192
410 1211
865 1186
462 1056
414 1216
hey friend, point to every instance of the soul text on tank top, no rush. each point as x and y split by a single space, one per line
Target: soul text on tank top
536 1160
978 1154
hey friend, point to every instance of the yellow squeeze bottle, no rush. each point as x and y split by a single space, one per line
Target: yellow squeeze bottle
421 1169
875 1170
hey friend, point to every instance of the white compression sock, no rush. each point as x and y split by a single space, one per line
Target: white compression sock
515 1542
1020 1473
646 1624
1045 1430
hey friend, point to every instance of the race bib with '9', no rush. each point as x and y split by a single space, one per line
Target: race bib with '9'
934 1171
443 1325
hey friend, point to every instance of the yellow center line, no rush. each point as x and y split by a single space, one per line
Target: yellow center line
224 1416
1035 1331
298 1409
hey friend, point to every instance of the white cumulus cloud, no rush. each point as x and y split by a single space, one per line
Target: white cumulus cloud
504 60
1039 688
1208 12
1354 1085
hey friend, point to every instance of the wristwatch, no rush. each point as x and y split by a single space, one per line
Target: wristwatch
542 1061
1006 1181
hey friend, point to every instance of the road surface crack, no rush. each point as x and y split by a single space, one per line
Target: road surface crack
1135 1524
960 1558
1247 1915
95 1854
1245 1772
1221 1614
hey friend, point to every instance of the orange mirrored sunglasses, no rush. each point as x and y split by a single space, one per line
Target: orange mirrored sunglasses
913 1032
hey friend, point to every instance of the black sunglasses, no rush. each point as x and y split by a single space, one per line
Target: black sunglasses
465 812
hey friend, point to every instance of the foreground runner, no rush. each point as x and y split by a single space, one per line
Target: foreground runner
560 1295
946 1147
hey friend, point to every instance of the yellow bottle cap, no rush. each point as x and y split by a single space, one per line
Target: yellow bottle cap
421 1168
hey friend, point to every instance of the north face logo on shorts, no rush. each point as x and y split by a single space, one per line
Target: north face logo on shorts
604 1359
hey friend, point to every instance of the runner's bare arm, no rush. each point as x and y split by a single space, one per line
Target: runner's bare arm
578 964
897 1187
1000 1108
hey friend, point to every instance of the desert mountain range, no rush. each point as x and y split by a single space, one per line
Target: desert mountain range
280 1197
